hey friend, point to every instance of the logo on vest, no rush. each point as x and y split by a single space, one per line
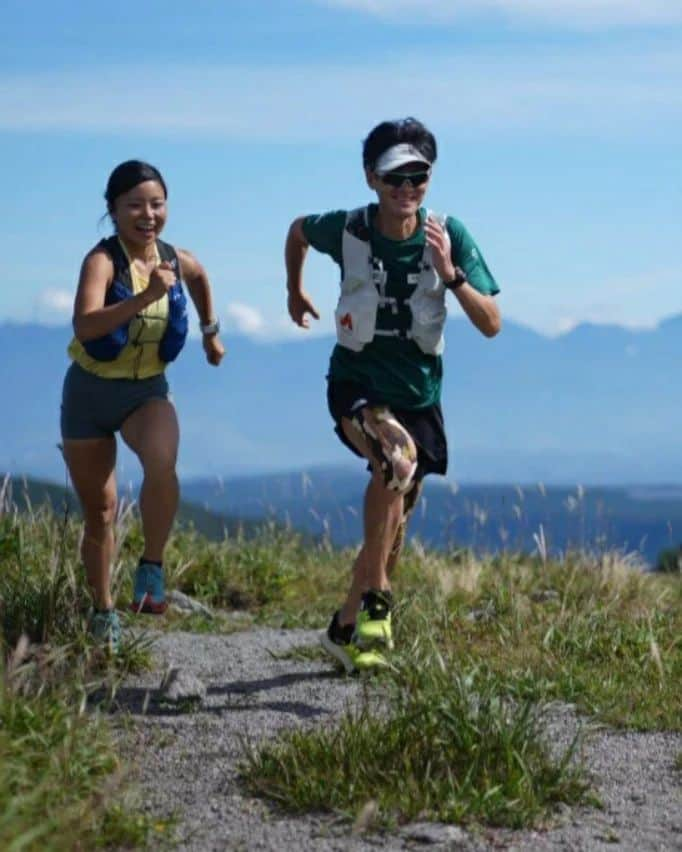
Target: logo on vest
347 321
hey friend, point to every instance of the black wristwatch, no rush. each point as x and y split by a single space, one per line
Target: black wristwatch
459 279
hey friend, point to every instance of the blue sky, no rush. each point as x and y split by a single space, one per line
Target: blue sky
558 124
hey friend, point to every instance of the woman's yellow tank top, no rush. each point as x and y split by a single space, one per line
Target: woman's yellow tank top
139 358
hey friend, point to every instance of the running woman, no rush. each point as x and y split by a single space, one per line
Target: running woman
130 321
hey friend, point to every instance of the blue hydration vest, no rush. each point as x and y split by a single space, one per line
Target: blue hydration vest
109 346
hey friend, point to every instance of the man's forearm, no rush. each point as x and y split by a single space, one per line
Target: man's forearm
481 310
295 251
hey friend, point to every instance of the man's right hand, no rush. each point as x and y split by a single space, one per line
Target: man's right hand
299 306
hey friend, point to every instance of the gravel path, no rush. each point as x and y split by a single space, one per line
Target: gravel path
190 757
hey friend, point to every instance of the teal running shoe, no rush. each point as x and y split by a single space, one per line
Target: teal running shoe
373 626
105 629
338 642
149 594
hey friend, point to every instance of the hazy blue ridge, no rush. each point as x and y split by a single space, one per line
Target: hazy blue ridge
27 493
489 518
326 502
595 405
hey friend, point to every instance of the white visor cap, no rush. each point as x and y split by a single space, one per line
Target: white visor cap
397 156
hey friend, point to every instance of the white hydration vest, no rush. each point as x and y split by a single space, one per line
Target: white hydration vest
363 291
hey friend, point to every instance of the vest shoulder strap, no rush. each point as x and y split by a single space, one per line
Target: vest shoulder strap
113 248
357 223
168 253
439 217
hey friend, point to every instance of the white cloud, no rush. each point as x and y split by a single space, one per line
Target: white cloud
250 321
575 14
54 306
565 324
568 90
245 319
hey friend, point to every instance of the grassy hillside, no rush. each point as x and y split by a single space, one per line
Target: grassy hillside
25 493
482 646
490 518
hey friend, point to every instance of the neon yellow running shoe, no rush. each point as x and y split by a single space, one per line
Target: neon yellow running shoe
337 641
373 627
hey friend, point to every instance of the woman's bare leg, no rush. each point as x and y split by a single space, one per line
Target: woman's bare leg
92 467
152 433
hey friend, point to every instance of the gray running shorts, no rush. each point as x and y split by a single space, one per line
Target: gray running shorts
93 407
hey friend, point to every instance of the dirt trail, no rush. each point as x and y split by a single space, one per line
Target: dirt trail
185 760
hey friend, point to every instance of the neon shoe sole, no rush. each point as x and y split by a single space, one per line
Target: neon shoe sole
373 633
352 658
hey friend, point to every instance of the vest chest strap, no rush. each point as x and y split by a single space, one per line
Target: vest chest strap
390 302
402 334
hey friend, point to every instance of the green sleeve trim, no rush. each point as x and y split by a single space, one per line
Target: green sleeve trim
466 253
324 232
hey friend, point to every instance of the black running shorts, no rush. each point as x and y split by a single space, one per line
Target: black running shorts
425 425
94 407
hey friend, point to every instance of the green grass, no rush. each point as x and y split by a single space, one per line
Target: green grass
441 745
590 630
483 645
61 783
609 639
196 622
302 654
269 575
60 778
39 587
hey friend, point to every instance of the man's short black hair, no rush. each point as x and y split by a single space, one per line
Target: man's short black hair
390 133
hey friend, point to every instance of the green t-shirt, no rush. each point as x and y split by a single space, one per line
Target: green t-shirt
395 370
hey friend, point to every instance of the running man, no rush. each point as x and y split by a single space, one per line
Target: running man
397 261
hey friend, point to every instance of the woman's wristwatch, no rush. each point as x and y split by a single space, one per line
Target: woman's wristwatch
459 279
212 327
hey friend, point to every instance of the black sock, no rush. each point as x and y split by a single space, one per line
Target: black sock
341 633
372 596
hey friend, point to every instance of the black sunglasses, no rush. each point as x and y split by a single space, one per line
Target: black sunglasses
397 179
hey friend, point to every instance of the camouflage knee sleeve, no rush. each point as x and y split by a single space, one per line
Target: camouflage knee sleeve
386 453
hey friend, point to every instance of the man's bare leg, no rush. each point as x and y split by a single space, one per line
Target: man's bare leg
383 513
384 505
410 500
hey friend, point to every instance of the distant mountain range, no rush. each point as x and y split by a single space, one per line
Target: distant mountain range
325 503
28 494
488 518
596 405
